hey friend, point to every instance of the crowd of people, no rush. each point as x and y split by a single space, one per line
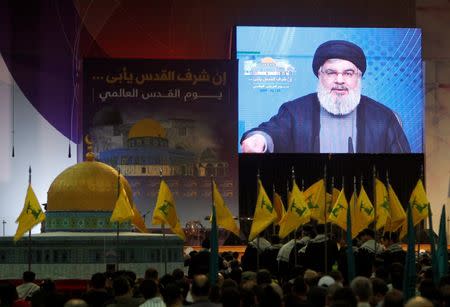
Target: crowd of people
308 270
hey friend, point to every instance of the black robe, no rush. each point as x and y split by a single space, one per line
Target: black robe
296 127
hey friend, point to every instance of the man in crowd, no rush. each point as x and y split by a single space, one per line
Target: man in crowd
26 290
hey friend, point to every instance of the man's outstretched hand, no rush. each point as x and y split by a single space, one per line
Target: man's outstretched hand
254 144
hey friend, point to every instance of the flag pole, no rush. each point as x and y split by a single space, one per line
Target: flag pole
331 203
355 199
348 236
325 213
214 244
296 230
434 262
163 230
374 184
342 188
421 222
258 236
390 208
287 202
118 225
29 231
273 202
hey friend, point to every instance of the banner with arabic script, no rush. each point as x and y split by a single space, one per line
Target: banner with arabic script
174 117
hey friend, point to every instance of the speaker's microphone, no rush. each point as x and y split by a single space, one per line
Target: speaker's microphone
350 145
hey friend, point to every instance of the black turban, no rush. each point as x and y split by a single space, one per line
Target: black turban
338 49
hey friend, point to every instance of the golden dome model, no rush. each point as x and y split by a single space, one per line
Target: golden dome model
147 128
86 186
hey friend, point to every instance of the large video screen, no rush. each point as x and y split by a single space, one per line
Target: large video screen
329 90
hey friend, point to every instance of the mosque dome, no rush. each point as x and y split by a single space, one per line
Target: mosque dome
86 186
147 128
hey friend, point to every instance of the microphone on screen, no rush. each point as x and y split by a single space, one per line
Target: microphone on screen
350 145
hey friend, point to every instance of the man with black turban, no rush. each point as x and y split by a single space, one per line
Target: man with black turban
336 119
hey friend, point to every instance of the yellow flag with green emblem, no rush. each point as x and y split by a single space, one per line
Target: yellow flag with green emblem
352 206
279 207
137 220
224 218
382 204
331 200
165 211
338 214
122 210
298 213
419 203
30 216
363 213
315 198
397 215
265 213
336 193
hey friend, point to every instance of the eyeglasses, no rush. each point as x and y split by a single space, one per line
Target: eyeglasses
346 74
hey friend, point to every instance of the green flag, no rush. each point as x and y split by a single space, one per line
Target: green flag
442 253
434 261
350 256
214 255
410 275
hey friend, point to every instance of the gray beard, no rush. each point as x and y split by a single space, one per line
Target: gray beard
338 105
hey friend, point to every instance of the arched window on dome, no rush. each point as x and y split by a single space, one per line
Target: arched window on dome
143 170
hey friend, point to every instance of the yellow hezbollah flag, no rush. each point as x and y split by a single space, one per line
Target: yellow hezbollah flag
363 213
122 210
419 203
336 193
31 214
315 198
265 213
138 221
165 211
329 203
297 214
382 204
338 214
279 207
331 200
224 218
352 206
397 215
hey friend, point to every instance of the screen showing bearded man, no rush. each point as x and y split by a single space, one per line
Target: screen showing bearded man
335 119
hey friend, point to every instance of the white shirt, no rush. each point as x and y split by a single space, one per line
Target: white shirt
154 302
26 289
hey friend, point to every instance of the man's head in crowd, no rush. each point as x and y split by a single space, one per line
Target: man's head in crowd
367 234
28 276
200 287
149 288
151 273
98 281
362 288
